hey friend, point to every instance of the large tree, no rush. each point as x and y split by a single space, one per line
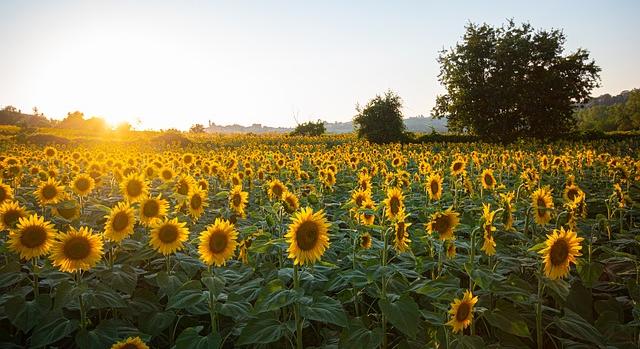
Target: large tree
513 81
380 121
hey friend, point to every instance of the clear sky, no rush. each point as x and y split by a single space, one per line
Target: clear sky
176 63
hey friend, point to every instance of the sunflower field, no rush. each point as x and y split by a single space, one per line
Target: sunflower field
325 242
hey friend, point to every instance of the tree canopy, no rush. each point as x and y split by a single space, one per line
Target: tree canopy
309 128
513 81
380 121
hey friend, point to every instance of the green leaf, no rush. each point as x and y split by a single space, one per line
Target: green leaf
276 300
191 339
155 323
122 278
26 314
589 272
326 310
470 342
237 310
215 284
356 336
574 325
52 329
403 314
189 295
100 299
560 287
261 331
106 334
508 320
10 274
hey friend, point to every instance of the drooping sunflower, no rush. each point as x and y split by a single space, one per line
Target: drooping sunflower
168 235
542 203
401 236
238 200
153 208
10 214
276 189
76 250
443 223
365 241
507 213
462 311
134 187
83 184
394 203
197 201
308 236
130 343
32 237
434 186
291 202
487 179
218 243
49 192
571 192
365 217
561 249
450 248
489 244
6 193
120 222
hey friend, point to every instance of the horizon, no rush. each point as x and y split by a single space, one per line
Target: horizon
173 65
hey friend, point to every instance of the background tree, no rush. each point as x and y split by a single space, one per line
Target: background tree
197 128
513 81
380 121
309 128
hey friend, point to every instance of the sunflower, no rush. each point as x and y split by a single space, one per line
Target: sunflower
168 236
489 245
394 203
487 179
562 248
50 152
83 184
358 198
368 218
10 214
76 250
365 241
130 343
443 223
364 181
507 213
542 203
166 174
434 186
120 222
401 234
32 237
49 192
450 248
276 189
153 208
308 236
134 187
291 202
6 193
462 311
238 200
458 167
197 201
571 192
218 243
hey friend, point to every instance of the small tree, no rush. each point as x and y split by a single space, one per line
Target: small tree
380 121
513 81
310 128
197 128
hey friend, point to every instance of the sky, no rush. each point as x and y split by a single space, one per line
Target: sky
164 64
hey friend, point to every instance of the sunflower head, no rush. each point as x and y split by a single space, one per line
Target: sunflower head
276 189
394 203
6 193
542 203
291 202
134 187
487 179
168 236
443 223
401 236
462 312
76 250
238 200
10 214
32 237
120 222
307 236
50 192
458 167
197 201
365 241
130 343
571 192
218 243
434 186
152 208
561 248
83 184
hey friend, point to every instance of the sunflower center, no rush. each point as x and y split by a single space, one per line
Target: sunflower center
82 184
237 200
33 236
11 217
129 346
49 191
120 221
559 252
457 166
542 205
488 179
166 174
307 235
441 225
195 202
394 205
150 208
463 311
571 194
400 231
183 188
218 242
168 233
3 194
435 186
277 190
77 248
359 200
134 188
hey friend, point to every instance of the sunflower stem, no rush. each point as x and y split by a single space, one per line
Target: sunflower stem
539 329
384 289
36 283
296 307
83 311
168 263
212 307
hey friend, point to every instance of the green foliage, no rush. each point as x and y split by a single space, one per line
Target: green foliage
513 81
197 128
310 128
380 121
623 116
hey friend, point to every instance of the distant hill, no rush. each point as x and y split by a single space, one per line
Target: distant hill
420 123
611 113
12 116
